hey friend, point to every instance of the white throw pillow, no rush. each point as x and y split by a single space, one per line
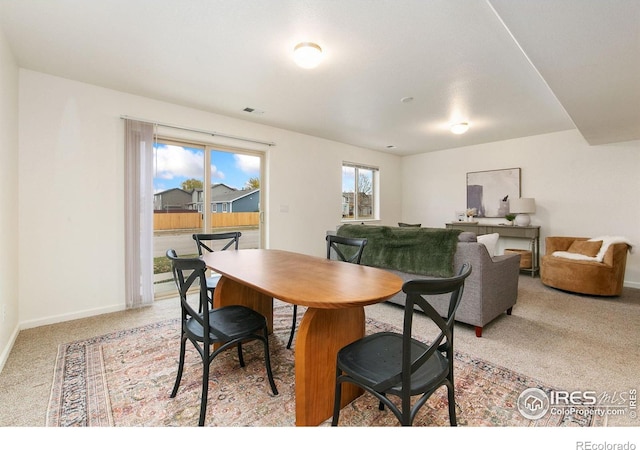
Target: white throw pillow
490 241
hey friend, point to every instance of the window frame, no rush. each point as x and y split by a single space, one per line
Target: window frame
375 191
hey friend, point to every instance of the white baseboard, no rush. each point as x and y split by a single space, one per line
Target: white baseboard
51 320
632 284
70 316
7 349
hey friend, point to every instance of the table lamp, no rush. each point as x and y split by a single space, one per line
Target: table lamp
522 207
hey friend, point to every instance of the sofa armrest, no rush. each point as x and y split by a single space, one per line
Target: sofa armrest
492 287
614 254
510 257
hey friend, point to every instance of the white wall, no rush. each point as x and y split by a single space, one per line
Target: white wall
9 255
71 170
71 236
580 190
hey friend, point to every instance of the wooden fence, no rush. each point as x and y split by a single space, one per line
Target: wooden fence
192 220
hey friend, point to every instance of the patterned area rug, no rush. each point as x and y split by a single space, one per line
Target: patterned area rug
124 379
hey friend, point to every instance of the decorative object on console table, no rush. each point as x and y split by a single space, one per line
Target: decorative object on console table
523 207
532 233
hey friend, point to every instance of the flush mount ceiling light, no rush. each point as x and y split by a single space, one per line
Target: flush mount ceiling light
307 54
459 128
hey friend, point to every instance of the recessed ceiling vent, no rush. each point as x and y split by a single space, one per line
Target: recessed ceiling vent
253 111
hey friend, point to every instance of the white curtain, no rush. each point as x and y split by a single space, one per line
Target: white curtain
139 138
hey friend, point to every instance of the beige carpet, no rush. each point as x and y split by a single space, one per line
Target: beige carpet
575 342
124 378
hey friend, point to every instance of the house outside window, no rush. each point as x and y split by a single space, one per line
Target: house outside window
359 192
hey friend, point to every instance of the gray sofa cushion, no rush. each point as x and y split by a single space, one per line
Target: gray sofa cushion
467 236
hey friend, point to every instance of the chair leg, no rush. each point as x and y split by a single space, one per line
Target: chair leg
240 356
205 391
267 360
176 385
478 331
509 311
405 413
452 405
336 400
293 326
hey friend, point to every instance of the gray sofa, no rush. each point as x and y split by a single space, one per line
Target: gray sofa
490 291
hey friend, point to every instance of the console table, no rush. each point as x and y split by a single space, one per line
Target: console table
530 232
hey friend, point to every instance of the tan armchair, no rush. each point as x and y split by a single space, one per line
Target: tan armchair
583 276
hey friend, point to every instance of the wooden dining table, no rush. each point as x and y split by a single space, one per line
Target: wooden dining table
334 293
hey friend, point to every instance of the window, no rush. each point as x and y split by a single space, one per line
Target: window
359 192
187 177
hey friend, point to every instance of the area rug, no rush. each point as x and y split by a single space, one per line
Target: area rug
123 379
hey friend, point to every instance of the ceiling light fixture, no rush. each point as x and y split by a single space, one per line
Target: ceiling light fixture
307 54
459 128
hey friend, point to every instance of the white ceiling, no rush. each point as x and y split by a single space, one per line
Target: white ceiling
511 68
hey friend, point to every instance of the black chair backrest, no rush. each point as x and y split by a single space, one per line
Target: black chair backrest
346 249
205 240
188 273
416 290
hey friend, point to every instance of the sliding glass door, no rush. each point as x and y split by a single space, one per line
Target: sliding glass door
201 189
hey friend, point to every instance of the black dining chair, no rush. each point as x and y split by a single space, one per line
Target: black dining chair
227 326
389 363
210 242
345 249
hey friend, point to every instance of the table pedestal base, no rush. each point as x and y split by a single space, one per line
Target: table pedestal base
322 333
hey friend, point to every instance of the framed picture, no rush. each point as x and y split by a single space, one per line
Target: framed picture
489 192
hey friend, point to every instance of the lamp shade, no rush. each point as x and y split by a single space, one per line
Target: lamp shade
522 206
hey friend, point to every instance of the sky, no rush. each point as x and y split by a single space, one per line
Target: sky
173 164
348 179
